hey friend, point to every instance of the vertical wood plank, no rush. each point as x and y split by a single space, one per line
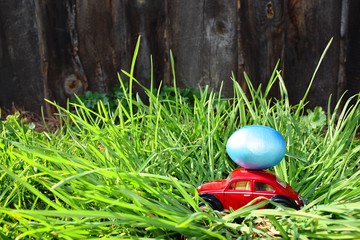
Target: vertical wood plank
204 42
20 61
94 25
62 75
344 22
262 37
353 50
311 25
148 20
219 47
185 35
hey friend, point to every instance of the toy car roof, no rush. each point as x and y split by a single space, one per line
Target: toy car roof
252 174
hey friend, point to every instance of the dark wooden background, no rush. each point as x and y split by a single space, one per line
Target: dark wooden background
53 49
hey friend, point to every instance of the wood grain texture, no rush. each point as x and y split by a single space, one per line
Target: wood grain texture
94 25
353 50
203 40
263 35
147 19
20 61
311 25
54 49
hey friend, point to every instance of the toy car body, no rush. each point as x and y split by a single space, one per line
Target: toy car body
242 186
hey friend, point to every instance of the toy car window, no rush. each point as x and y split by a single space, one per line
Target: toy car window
259 186
241 185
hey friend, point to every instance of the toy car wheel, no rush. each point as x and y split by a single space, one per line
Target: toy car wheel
283 201
272 206
212 201
203 206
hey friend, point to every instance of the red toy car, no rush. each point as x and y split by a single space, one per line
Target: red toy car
242 186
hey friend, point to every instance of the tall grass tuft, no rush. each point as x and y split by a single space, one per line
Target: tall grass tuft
132 171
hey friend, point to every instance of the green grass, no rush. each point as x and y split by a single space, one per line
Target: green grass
130 170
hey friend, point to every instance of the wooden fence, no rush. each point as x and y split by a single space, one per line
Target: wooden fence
53 49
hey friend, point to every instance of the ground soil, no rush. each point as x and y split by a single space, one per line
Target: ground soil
41 123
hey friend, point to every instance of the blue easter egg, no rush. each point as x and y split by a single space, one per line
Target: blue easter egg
256 147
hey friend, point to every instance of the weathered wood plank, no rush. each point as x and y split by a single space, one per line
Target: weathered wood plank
94 26
148 20
185 34
353 50
62 71
263 38
20 61
311 26
54 49
203 37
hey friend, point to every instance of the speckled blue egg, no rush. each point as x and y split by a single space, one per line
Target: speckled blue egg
256 147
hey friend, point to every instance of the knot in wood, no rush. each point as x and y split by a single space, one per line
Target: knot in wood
220 27
269 10
72 84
